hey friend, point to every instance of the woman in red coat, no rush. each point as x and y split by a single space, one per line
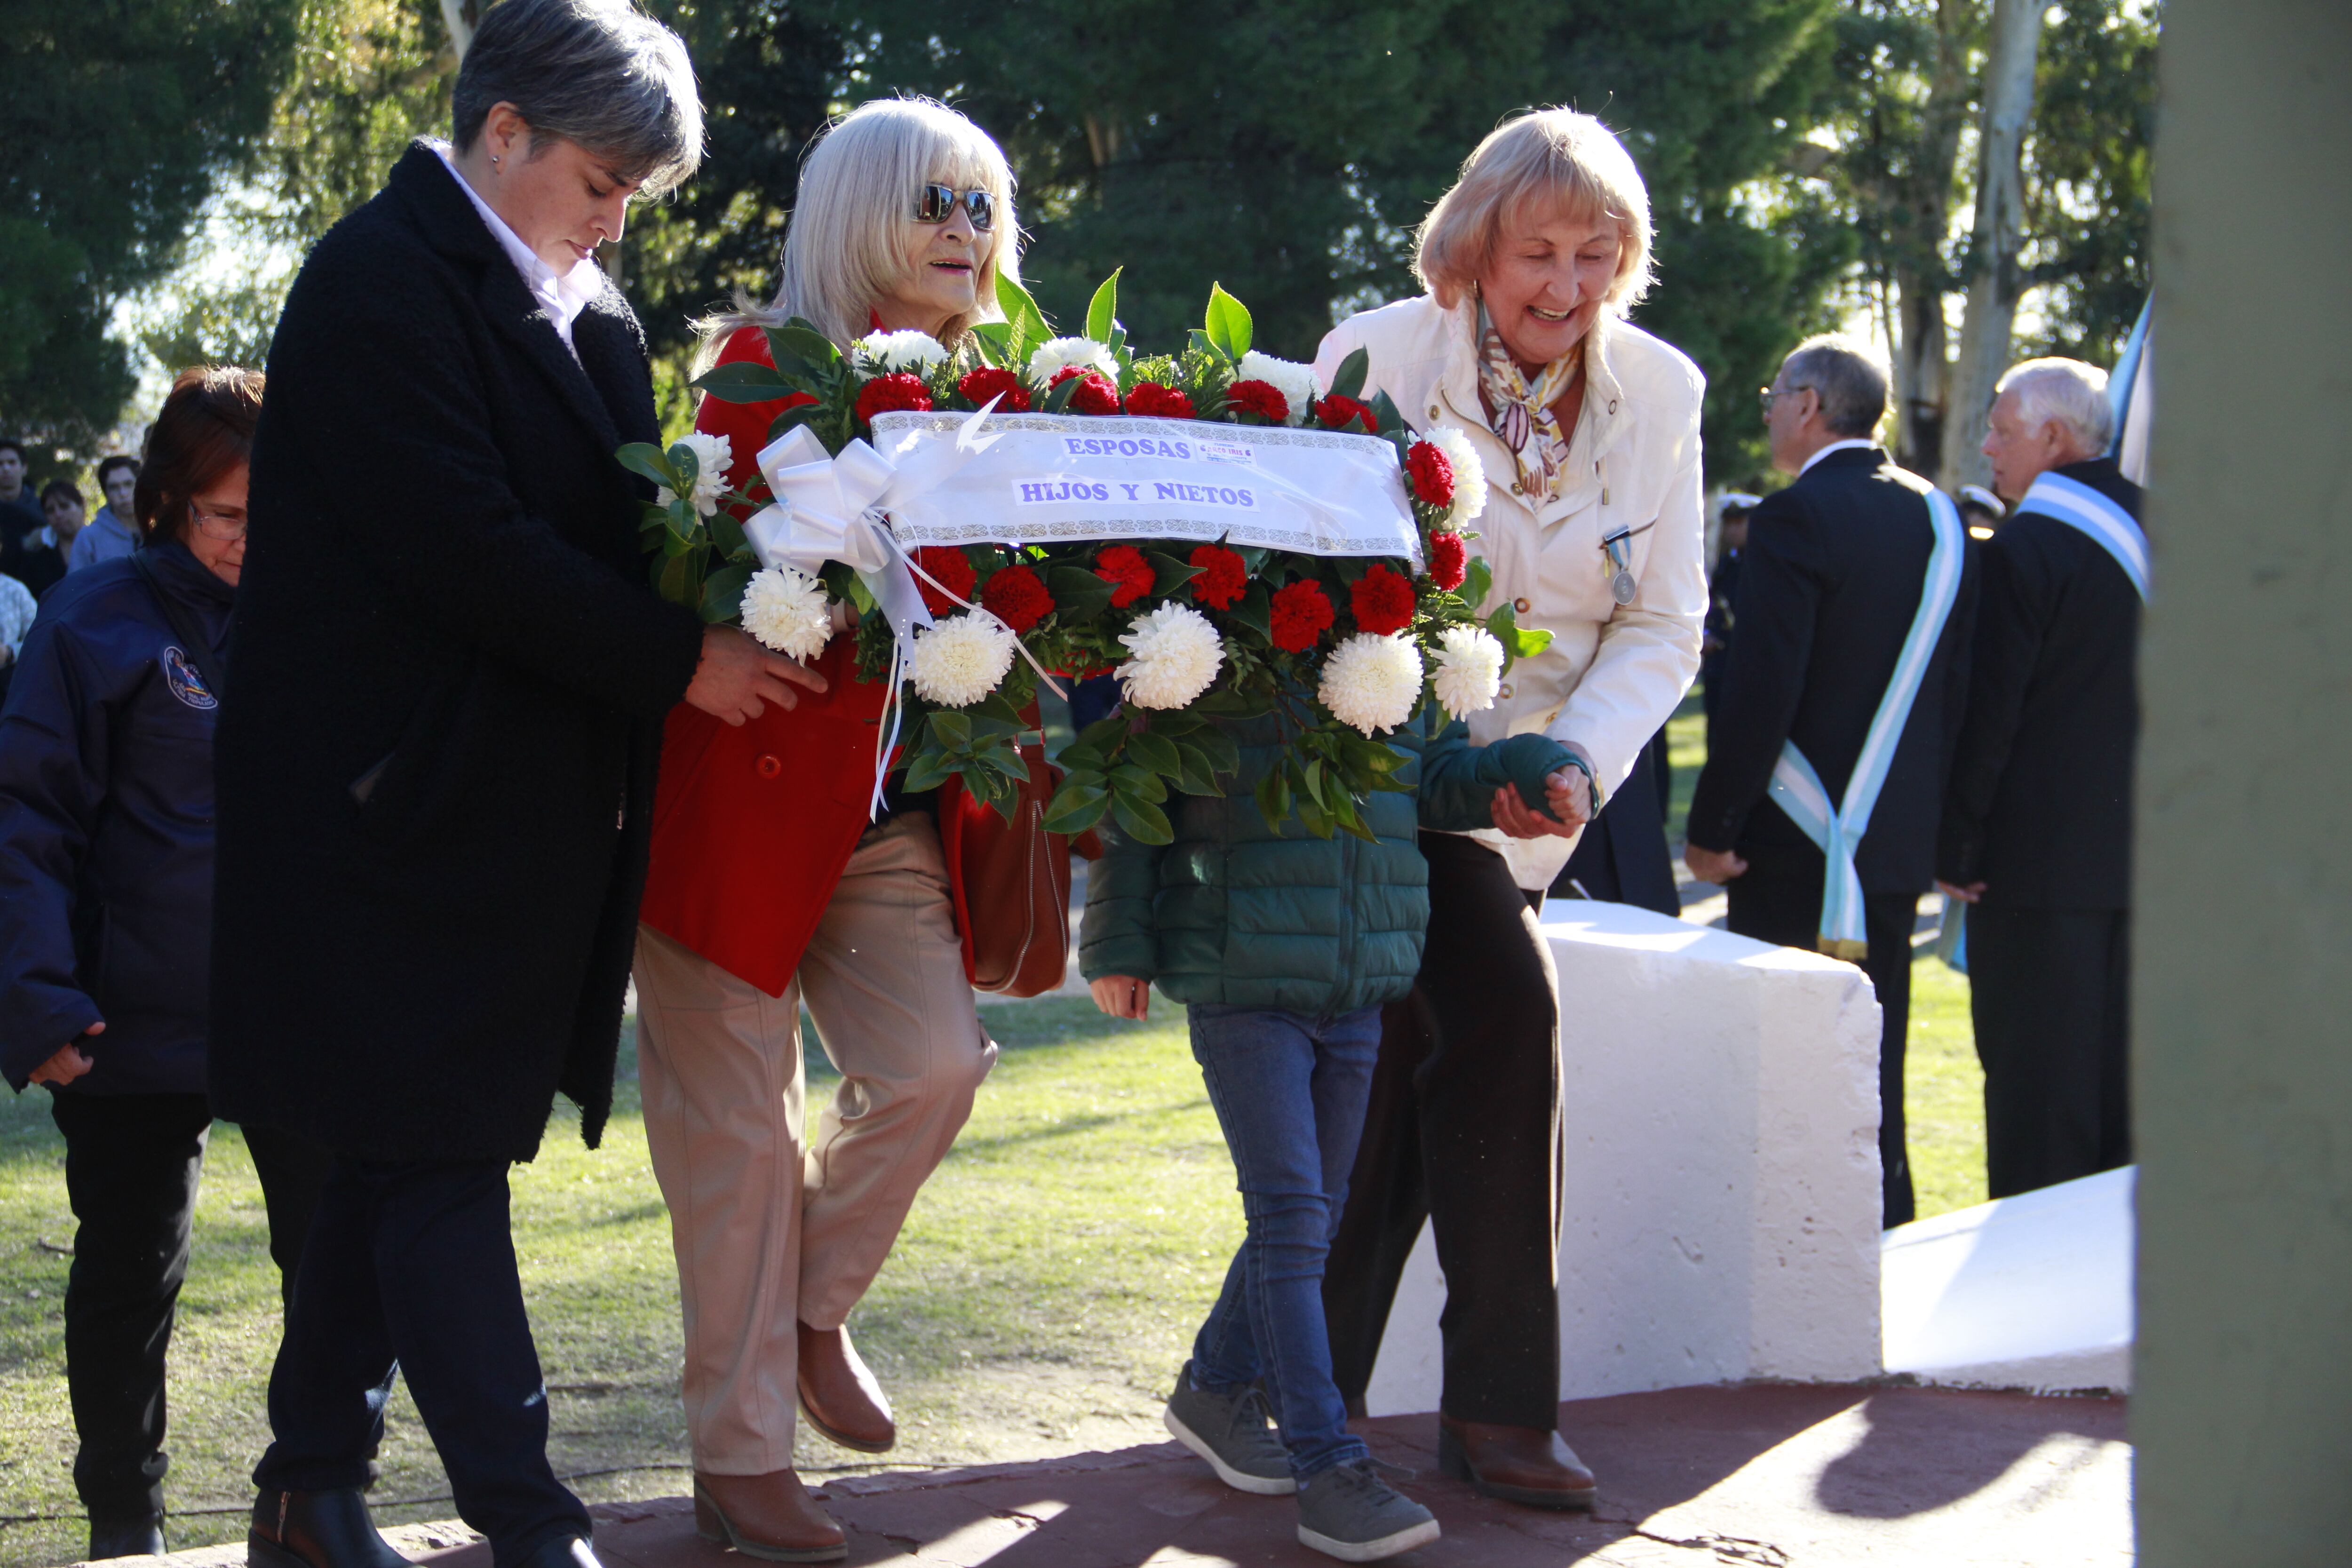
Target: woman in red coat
769 888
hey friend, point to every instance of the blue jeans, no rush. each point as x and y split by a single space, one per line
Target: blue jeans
1290 1092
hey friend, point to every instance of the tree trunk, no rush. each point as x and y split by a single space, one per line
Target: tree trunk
459 16
1992 274
1924 206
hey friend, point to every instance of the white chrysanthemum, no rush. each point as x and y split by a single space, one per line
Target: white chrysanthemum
1469 476
1469 669
1175 655
788 611
1295 381
712 454
960 660
1372 683
1056 354
886 352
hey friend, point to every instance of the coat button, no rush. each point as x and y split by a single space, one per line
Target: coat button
1516 490
1612 406
1504 691
1521 606
1432 411
768 766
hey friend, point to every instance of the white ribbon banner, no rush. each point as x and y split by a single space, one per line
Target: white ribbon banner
1047 478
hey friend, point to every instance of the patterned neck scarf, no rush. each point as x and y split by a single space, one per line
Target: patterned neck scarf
1523 415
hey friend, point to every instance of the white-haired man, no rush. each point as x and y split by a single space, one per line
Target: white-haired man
2037 826
1842 692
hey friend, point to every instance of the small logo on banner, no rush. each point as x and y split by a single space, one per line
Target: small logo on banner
185 683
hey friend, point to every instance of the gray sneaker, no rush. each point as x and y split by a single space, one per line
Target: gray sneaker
1348 1512
1234 1432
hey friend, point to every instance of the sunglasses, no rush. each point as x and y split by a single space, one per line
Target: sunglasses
936 204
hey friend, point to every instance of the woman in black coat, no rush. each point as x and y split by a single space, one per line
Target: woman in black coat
106 882
438 765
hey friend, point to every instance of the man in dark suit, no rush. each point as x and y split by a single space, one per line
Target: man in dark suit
1837 568
437 752
2038 824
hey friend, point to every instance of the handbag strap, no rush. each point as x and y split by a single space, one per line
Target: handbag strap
193 642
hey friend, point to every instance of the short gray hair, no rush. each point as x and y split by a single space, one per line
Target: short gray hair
1849 380
596 73
2066 392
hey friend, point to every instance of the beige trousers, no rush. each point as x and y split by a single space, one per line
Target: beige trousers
772 1228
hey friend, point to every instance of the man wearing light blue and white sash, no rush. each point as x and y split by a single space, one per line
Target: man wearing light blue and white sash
2037 828
1845 681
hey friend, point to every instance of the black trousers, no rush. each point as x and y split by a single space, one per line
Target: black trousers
1463 1130
132 1162
2050 992
1784 908
411 1269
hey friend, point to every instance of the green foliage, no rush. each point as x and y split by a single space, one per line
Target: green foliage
119 121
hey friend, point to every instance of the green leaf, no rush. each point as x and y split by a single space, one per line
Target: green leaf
1078 594
1156 753
722 594
744 381
798 342
1141 783
1075 809
1348 381
687 466
929 769
1079 757
1312 780
1505 626
1167 574
645 459
1029 325
1058 400
676 582
1141 821
1529 641
1254 609
1384 411
1102 312
1476 583
1197 777
1229 325
953 728
992 341
728 534
1224 756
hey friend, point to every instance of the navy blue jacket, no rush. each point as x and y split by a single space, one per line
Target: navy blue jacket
106 831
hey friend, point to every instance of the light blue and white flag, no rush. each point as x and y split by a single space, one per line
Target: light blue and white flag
2073 502
1838 826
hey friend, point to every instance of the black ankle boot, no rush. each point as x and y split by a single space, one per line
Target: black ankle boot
564 1551
316 1530
140 1535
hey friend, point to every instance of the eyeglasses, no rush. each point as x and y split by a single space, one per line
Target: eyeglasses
936 204
221 529
1765 394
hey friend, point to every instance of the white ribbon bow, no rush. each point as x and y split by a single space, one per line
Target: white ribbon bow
832 509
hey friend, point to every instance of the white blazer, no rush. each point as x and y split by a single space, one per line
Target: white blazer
1613 673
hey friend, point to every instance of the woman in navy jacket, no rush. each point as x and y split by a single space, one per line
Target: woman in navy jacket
106 882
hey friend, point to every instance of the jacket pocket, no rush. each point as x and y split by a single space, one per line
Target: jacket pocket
390 797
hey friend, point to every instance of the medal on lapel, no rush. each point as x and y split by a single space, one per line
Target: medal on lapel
1617 560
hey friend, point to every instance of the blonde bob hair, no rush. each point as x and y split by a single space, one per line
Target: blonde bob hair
848 241
1546 160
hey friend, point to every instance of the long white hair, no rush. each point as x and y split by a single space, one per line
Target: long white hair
849 241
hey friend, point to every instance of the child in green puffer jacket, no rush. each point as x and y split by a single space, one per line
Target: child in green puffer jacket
1283 947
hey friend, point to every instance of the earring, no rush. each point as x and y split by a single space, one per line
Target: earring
494 160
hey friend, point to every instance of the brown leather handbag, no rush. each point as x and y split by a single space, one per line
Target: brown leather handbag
1011 882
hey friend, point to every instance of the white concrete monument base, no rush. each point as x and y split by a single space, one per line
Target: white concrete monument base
1721 1184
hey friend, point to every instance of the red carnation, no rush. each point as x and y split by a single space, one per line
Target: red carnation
1261 398
1095 395
989 380
1153 401
1432 473
1302 613
1017 596
1449 560
1337 413
953 569
1128 573
892 394
1382 600
1224 576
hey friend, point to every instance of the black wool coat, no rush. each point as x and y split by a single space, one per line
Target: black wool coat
437 756
2041 803
1828 587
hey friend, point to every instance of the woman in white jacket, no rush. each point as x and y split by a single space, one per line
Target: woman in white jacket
1587 429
